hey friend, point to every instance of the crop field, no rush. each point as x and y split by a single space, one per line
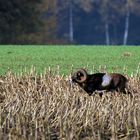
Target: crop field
38 101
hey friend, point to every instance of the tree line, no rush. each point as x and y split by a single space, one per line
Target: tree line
70 21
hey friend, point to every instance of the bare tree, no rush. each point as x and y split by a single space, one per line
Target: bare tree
110 15
103 10
66 11
71 28
126 30
107 34
127 18
105 16
131 6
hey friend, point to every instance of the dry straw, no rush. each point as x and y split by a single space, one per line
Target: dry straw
46 106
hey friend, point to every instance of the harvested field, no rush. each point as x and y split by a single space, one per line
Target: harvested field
45 106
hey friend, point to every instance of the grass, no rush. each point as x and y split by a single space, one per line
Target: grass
115 58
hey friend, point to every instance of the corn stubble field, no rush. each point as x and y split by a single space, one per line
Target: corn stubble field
48 107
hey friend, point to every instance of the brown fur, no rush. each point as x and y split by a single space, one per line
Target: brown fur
93 82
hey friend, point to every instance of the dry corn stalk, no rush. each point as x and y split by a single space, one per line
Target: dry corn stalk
46 106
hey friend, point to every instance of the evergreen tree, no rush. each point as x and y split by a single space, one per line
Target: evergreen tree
19 20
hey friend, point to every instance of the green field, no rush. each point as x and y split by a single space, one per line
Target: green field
115 58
